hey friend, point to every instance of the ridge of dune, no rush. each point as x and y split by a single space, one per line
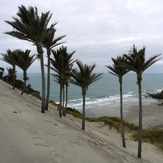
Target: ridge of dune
28 136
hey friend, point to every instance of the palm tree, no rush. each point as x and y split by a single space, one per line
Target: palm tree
31 27
68 64
61 62
136 62
1 72
11 76
119 70
66 83
9 57
83 78
24 61
50 42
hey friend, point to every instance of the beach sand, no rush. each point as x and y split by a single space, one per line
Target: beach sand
28 136
152 113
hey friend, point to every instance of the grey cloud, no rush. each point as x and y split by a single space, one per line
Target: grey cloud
96 30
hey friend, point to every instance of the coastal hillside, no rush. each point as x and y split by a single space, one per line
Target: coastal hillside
26 135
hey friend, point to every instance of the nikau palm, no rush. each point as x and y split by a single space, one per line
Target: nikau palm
31 27
136 62
61 62
9 57
50 42
119 70
83 78
24 61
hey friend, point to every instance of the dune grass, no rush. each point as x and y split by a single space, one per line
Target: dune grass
113 122
153 136
53 103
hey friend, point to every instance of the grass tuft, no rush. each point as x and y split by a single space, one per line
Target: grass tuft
53 103
75 113
37 95
113 122
153 136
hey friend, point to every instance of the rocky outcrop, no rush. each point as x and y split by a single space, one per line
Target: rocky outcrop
156 95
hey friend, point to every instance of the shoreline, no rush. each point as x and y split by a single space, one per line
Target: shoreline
152 113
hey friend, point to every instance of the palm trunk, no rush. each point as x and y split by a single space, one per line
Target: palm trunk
60 104
140 120
40 51
14 77
66 99
48 81
121 115
25 80
83 115
63 96
63 99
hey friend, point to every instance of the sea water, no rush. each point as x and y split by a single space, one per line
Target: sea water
104 92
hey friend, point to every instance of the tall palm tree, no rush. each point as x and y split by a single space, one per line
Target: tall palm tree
9 57
24 61
31 27
66 83
83 77
68 64
61 62
119 70
50 42
136 62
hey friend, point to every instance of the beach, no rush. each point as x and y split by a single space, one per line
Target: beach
28 136
152 113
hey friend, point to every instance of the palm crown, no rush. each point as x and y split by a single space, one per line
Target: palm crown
118 69
30 26
62 61
136 60
84 76
23 59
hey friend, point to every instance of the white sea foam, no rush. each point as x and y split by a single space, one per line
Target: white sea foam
103 101
104 92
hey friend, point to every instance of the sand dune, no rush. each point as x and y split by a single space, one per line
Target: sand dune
28 136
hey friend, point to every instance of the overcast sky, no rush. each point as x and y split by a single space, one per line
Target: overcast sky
96 29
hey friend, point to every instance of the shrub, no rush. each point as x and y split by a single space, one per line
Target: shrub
153 136
113 122
75 113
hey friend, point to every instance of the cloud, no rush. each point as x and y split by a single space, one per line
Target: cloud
96 30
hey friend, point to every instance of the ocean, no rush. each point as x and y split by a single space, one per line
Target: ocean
104 92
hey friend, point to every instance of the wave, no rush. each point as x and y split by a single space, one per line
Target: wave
159 90
102 101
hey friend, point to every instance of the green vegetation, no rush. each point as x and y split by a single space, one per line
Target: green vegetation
83 76
114 122
1 72
53 103
75 113
61 63
137 63
153 136
119 70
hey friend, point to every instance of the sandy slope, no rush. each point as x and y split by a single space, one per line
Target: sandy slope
28 136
